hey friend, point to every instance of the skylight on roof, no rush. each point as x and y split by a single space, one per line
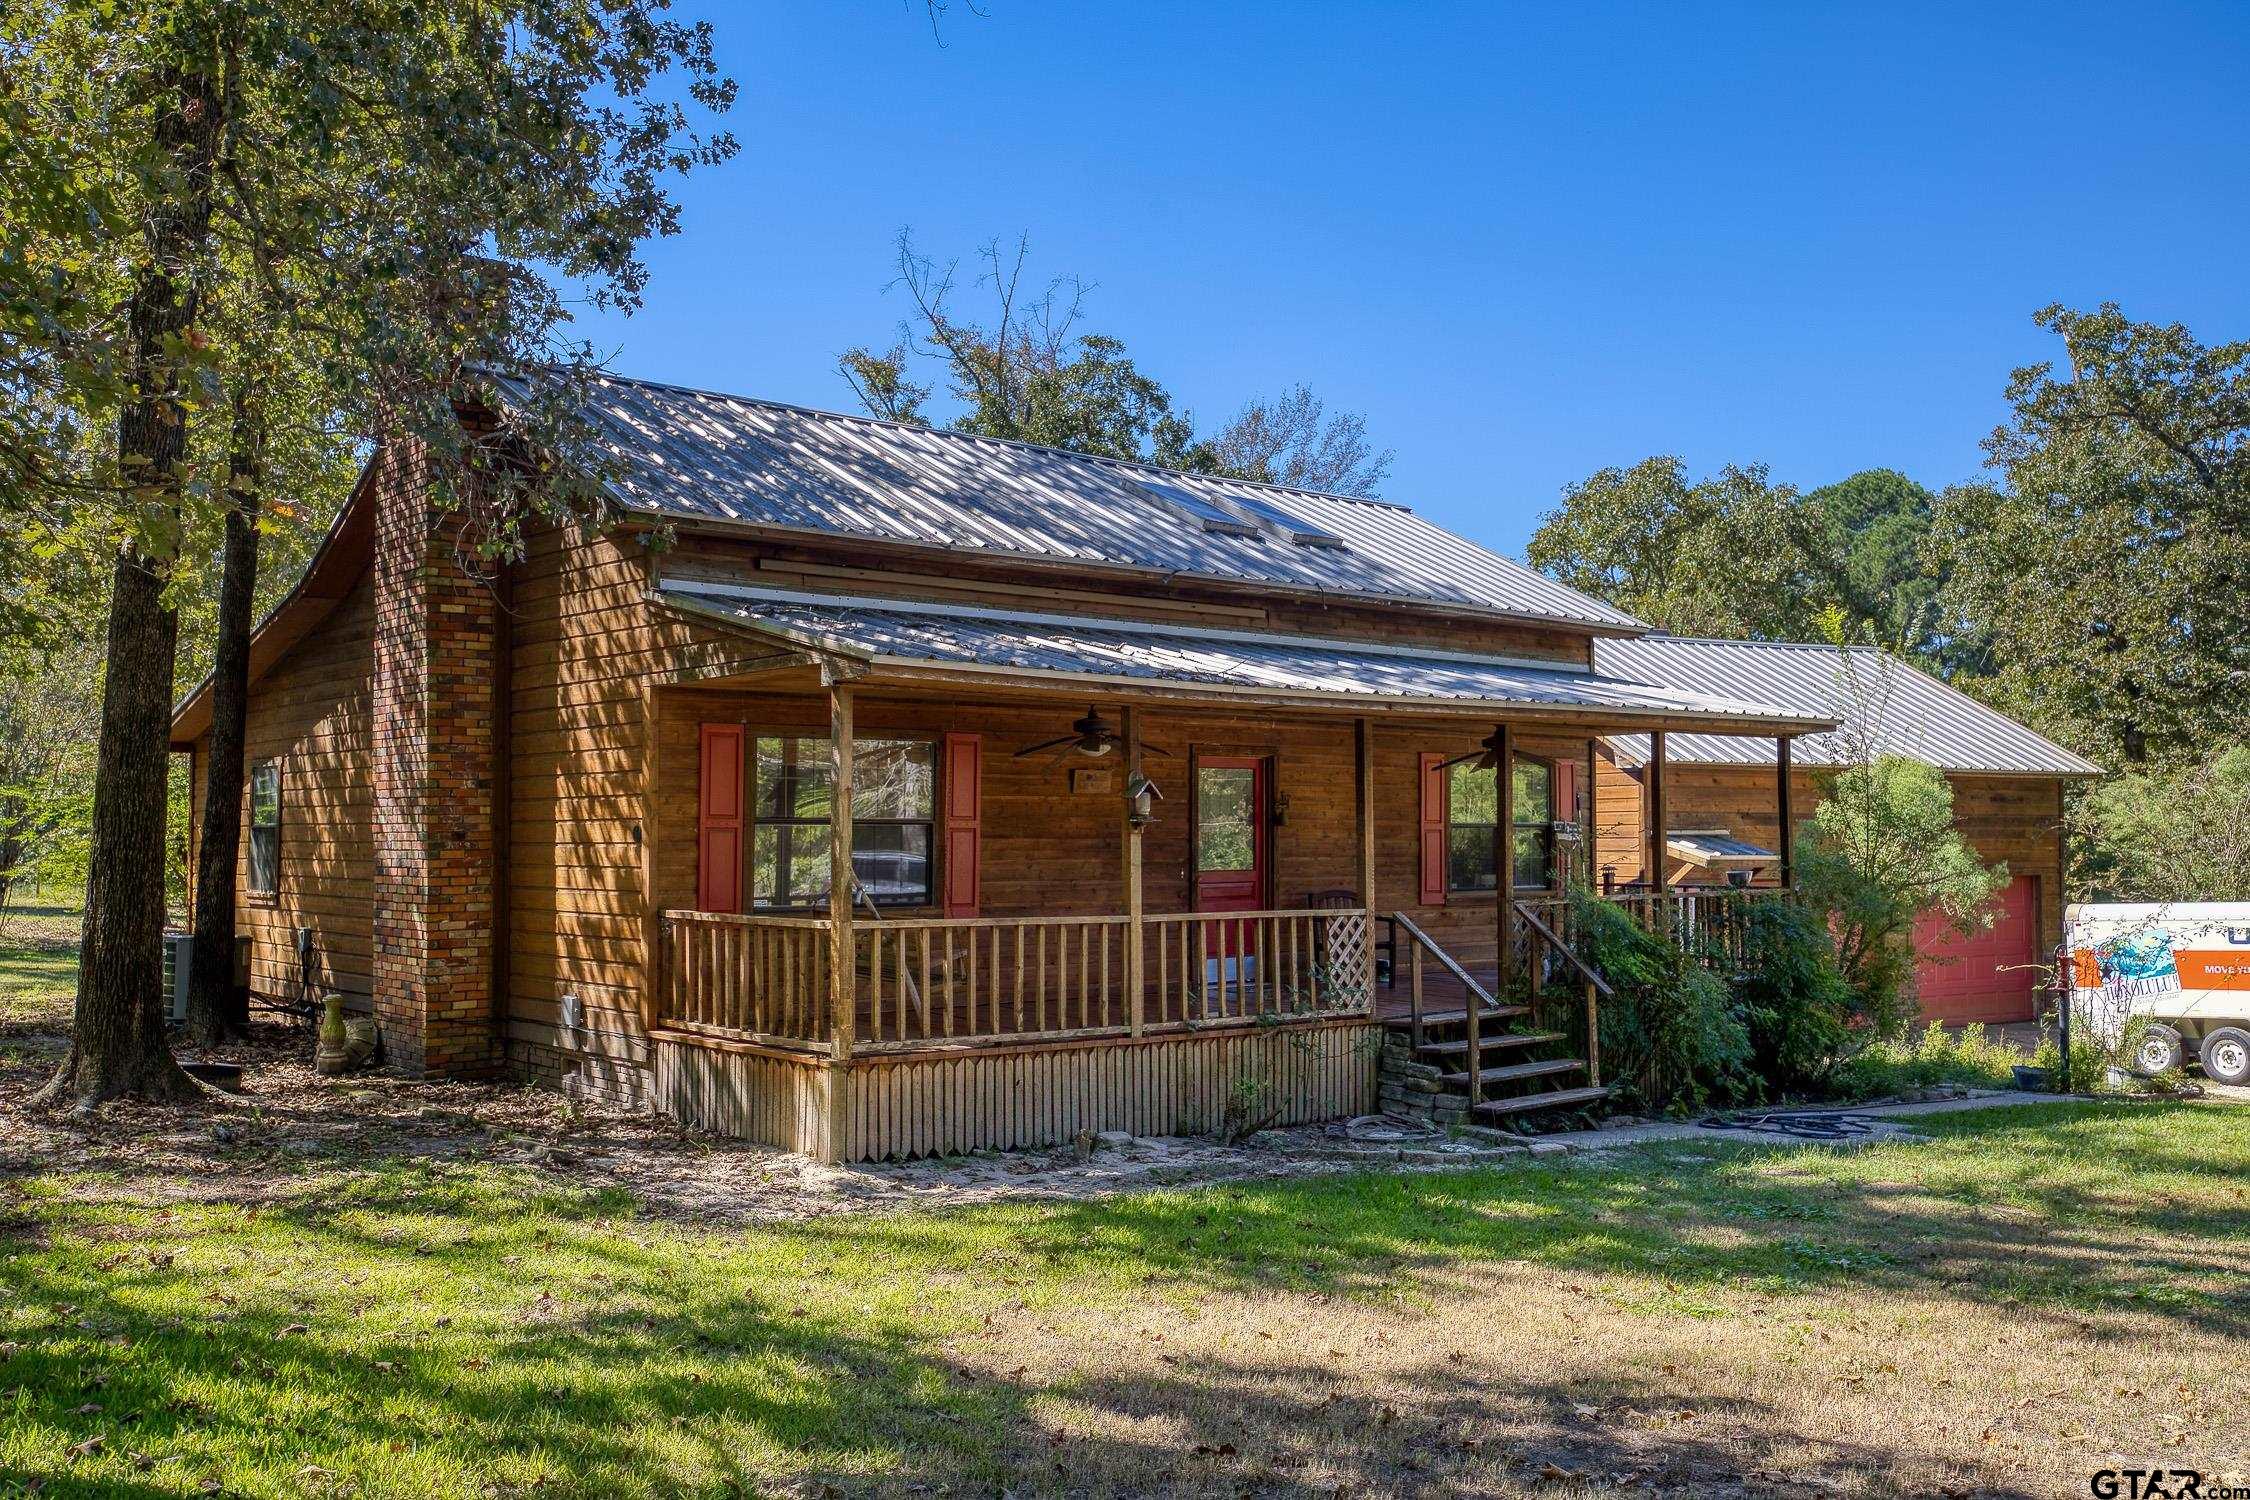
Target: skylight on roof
1238 514
1214 519
1299 530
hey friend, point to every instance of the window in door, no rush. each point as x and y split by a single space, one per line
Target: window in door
1226 827
1473 834
894 803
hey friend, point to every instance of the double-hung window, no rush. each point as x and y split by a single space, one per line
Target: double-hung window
265 828
1473 839
894 804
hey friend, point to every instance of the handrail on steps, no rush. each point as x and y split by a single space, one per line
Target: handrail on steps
1554 940
1472 1011
1597 988
1452 966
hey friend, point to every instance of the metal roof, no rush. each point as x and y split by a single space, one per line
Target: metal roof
1904 710
697 455
892 632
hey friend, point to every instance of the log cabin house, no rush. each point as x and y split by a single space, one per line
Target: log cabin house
1723 814
872 790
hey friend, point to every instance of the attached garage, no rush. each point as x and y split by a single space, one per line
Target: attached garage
1990 975
2007 794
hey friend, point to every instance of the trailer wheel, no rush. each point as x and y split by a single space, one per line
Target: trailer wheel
2226 1056
2158 1051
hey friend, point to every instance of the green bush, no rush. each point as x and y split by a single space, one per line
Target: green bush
1879 853
1670 1032
1933 1059
2096 1068
1793 998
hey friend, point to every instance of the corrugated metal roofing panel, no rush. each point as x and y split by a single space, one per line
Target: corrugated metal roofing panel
1909 712
699 455
895 631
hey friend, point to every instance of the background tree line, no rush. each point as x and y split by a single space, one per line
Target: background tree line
245 243
2095 585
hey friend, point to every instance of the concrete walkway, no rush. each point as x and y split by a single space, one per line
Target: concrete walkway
1883 1121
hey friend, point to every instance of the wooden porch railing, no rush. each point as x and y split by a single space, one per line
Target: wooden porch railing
967 979
764 978
1549 952
1215 966
936 982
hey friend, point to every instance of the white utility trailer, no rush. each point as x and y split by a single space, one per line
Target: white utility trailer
2185 965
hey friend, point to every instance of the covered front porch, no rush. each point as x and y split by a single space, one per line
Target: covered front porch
900 905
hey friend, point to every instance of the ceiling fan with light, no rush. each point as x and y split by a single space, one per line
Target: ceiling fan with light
1487 757
1092 736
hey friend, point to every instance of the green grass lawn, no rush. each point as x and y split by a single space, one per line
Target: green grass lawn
1999 1306
38 967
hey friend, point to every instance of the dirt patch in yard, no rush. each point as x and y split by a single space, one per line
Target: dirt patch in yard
292 1130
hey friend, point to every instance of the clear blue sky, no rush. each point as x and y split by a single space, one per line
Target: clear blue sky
1526 242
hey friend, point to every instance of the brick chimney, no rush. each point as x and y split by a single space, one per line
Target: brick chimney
438 661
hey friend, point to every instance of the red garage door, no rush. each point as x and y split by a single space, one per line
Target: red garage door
1987 975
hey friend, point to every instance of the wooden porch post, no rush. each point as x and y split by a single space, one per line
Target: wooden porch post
653 974
1786 798
1363 797
1658 814
842 990
1504 876
1136 1001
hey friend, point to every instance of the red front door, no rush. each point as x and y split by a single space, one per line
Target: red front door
1988 975
1232 844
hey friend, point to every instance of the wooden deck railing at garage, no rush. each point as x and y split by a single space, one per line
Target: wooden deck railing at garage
936 982
1709 923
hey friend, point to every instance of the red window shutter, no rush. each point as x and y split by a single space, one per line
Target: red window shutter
718 869
964 809
1566 791
1435 817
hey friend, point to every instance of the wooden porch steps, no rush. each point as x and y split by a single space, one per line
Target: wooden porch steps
1520 1072
1459 1016
1459 1047
1430 1064
1553 1099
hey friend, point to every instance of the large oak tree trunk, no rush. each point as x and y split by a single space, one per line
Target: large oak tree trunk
211 1007
117 1041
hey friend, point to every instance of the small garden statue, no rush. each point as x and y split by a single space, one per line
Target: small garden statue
346 1045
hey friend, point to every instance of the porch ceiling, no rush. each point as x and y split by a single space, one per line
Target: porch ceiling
905 641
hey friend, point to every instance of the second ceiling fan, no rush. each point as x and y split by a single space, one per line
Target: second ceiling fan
1486 756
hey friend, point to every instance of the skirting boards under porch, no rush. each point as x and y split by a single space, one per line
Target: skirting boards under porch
939 1103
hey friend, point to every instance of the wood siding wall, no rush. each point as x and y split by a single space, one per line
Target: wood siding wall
1049 851
2012 819
311 714
938 1105
585 647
